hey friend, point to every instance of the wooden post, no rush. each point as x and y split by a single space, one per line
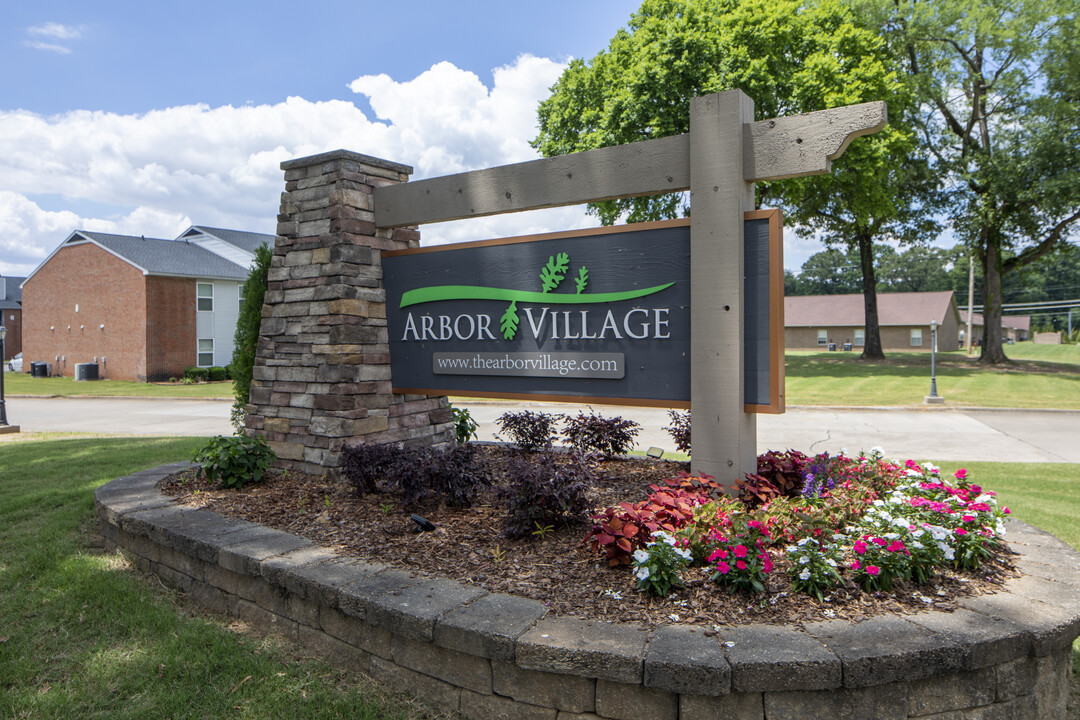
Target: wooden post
724 436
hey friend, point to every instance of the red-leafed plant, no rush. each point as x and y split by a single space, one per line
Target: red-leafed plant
779 474
619 531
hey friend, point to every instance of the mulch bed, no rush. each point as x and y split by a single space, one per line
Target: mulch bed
557 569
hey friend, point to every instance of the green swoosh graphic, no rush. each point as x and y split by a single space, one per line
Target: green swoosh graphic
476 292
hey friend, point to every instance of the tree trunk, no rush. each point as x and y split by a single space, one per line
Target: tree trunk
872 334
992 351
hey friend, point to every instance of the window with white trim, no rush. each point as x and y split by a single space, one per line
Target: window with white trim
822 337
204 293
240 301
860 338
916 337
206 352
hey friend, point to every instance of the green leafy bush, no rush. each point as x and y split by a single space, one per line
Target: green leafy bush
246 338
464 426
531 431
196 374
233 461
594 433
216 374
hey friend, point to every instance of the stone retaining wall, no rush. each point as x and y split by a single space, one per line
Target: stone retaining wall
490 656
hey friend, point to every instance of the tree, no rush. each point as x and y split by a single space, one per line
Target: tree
829 272
790 56
1001 83
246 339
920 269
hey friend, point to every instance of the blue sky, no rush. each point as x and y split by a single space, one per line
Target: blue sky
145 118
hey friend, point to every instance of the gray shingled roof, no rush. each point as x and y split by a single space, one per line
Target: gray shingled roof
248 241
914 308
166 257
10 290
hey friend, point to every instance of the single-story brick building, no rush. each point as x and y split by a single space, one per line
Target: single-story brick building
816 322
1013 327
143 309
11 309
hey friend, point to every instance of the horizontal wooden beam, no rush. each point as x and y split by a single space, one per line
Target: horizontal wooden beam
772 149
641 168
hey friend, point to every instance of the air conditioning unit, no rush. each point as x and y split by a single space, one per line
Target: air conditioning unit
40 369
86 371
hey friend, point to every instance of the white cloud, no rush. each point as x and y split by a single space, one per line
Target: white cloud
220 166
52 32
55 30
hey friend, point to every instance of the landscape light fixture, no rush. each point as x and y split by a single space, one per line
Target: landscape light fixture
422 524
655 452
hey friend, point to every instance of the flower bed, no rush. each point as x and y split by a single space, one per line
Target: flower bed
827 520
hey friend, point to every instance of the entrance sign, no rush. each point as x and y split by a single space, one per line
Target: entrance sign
596 316
718 161
606 317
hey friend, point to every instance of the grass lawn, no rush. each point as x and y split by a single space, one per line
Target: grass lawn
23 384
1044 376
85 636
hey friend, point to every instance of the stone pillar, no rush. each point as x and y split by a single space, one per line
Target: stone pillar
322 368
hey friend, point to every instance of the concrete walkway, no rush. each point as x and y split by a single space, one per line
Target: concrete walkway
937 434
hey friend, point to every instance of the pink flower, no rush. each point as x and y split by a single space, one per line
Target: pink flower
739 551
895 546
968 518
766 562
856 565
873 570
753 524
979 507
859 548
1004 509
718 553
961 531
961 474
723 567
740 564
880 542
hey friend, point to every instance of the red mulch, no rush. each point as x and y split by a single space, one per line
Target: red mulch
556 569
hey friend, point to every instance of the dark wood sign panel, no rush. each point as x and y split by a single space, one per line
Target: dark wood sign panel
588 316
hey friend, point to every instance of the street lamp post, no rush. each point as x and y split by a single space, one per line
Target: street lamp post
3 355
933 398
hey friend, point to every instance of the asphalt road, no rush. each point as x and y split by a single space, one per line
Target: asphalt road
935 434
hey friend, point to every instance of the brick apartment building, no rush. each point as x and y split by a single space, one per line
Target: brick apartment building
143 309
11 310
818 321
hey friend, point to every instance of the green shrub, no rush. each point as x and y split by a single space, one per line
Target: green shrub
246 338
196 374
216 374
464 425
233 461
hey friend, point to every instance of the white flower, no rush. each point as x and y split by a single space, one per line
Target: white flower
803 560
641 556
805 574
913 473
844 452
916 544
684 554
831 562
792 549
930 467
877 452
643 572
804 541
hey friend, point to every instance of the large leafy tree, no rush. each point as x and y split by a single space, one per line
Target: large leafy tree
790 56
1000 84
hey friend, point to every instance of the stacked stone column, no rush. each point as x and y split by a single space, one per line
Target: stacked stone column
322 368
